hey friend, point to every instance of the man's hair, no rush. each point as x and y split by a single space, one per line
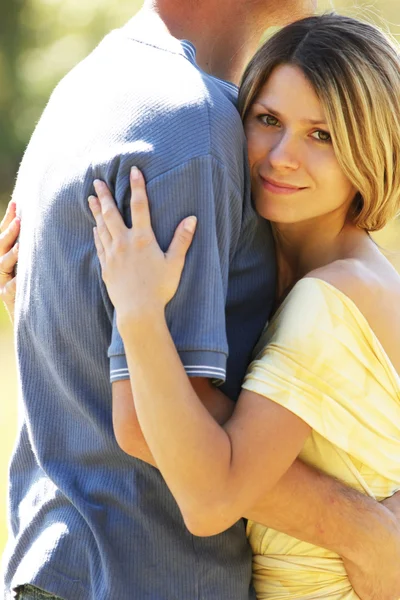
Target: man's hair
354 69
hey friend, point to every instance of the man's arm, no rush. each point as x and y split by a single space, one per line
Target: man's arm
318 509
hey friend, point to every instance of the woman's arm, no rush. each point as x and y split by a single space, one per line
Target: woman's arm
215 474
212 471
9 231
125 421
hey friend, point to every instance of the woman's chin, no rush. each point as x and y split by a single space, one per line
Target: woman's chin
277 215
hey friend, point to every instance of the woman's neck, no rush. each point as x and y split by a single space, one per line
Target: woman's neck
306 246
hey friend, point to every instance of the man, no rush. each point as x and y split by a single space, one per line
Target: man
88 520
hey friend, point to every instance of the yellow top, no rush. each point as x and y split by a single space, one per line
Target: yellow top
320 359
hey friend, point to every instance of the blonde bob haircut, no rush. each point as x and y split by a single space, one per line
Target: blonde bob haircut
354 69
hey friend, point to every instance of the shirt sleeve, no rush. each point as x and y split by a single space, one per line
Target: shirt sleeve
196 315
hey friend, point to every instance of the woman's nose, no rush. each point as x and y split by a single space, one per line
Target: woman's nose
285 153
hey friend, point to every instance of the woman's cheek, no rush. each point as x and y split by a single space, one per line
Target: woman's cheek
321 162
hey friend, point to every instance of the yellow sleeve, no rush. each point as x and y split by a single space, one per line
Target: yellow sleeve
319 360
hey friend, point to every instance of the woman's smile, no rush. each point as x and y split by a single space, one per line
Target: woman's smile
279 187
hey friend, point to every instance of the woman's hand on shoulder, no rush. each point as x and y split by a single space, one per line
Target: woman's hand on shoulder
9 231
140 278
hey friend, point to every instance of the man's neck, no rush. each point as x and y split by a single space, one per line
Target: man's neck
224 39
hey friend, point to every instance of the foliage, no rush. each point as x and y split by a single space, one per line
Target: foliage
40 40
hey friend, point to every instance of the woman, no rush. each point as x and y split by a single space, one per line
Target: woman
321 109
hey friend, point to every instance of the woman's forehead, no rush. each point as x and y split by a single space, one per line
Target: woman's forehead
288 92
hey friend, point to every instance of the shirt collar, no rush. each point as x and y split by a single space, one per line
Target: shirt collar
168 43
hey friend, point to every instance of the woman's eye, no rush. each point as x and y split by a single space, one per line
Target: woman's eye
269 120
322 136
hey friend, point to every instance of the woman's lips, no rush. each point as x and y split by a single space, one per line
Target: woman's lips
279 188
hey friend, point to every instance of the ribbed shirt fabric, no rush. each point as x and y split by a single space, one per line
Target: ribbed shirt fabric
87 521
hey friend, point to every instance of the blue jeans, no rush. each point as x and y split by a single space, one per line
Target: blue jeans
29 592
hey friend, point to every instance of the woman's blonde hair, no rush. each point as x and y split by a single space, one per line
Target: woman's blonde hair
354 69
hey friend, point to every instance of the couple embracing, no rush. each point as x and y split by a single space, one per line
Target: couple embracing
216 416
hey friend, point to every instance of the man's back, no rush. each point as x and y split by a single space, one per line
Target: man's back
89 522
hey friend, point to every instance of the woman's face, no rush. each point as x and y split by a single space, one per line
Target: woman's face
294 171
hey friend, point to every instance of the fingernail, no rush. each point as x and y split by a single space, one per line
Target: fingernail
190 224
135 174
92 200
16 247
97 183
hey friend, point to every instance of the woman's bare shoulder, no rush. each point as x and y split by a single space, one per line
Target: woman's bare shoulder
363 282
375 289
351 276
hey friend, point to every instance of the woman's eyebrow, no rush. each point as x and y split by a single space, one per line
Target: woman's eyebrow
276 113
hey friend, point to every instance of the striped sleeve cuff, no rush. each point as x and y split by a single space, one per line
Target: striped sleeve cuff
197 364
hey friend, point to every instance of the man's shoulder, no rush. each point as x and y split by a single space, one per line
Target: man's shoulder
166 79
133 103
156 93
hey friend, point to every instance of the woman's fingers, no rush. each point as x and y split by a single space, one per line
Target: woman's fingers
182 240
11 213
101 226
7 264
141 222
8 281
8 292
7 295
109 210
99 248
9 231
8 234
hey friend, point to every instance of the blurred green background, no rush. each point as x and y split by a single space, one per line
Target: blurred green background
40 40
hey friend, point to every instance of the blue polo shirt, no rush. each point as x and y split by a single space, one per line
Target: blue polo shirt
87 521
